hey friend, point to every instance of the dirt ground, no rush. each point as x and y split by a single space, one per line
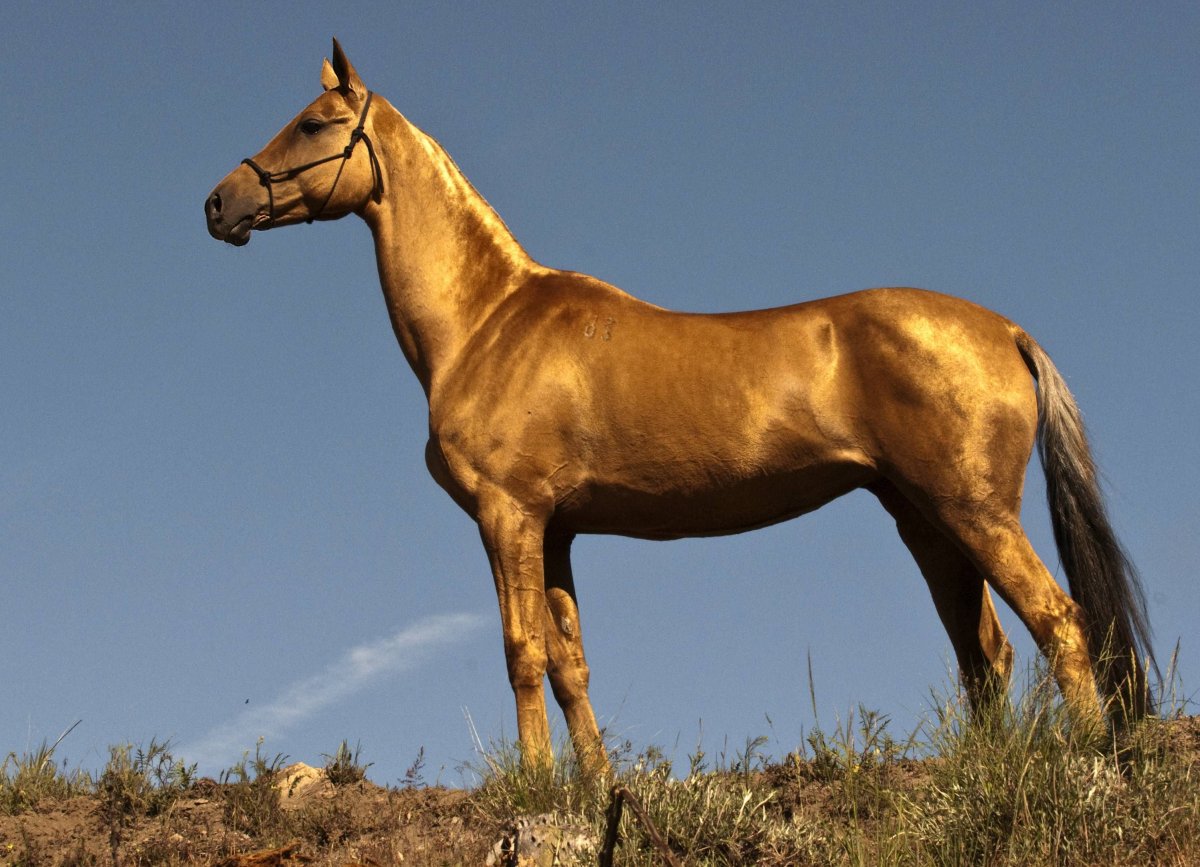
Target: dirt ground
315 823
302 818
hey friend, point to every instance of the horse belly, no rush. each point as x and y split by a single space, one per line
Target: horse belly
677 510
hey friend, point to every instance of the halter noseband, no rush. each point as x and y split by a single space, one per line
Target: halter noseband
267 178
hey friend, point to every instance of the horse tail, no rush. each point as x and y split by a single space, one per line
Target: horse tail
1102 579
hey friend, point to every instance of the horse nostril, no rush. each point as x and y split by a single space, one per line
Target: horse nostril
214 204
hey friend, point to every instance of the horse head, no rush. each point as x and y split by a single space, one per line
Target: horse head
321 165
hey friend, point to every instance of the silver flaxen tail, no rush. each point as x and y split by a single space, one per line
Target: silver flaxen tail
1102 579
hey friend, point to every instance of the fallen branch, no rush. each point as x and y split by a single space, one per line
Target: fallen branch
621 796
284 855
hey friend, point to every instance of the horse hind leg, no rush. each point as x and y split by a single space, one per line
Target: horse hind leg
961 598
998 547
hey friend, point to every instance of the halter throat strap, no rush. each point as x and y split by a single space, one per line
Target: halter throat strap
359 133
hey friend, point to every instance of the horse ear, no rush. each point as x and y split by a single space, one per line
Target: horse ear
329 79
344 77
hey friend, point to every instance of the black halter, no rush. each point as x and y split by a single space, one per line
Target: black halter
267 178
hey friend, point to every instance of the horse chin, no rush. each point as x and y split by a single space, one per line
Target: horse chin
239 233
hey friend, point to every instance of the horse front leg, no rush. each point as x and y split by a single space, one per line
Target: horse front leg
513 540
568 668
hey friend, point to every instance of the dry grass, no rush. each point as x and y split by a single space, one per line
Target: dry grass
1020 786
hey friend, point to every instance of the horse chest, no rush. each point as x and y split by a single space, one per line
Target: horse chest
485 451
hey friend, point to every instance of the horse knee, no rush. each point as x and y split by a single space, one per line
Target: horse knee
526 664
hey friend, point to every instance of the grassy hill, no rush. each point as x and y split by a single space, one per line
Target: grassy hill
1023 787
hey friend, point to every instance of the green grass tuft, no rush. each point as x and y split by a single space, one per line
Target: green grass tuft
32 777
344 767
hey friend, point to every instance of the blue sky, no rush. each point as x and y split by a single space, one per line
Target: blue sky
215 521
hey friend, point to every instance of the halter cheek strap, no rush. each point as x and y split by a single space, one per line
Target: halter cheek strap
267 178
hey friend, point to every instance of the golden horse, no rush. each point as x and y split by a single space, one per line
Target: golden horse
560 405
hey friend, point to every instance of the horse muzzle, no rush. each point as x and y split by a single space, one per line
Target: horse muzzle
231 214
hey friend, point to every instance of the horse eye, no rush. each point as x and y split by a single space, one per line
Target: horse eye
312 126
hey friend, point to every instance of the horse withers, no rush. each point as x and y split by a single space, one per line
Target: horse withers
561 405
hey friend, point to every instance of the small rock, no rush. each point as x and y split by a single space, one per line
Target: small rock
547 840
297 777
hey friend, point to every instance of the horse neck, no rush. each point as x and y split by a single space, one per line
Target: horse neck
446 260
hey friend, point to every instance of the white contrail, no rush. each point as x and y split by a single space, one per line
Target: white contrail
357 668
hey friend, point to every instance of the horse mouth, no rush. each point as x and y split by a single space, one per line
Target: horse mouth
256 222
239 233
